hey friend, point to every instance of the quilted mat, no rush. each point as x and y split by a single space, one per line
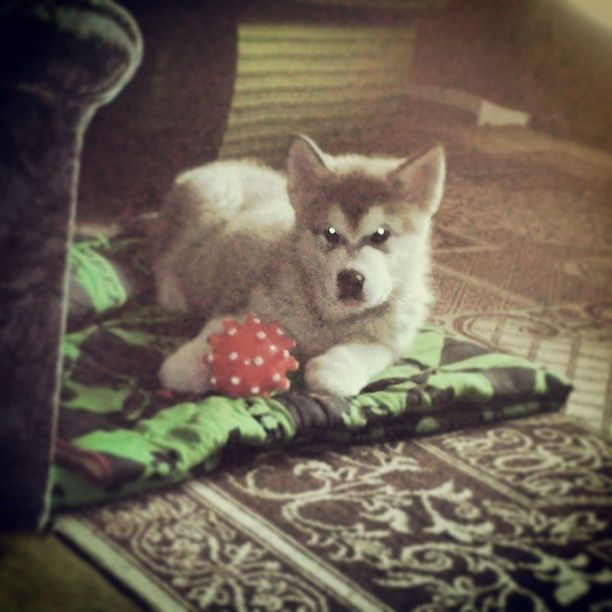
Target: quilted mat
119 433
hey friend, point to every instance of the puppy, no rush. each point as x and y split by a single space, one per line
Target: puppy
337 251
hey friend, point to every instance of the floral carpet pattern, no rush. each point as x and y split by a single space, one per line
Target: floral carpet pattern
524 258
515 516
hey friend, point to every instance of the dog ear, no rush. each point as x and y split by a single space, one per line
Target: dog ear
421 179
305 169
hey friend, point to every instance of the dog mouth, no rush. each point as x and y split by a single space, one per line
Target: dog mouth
359 303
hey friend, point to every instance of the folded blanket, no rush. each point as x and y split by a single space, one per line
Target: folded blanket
119 433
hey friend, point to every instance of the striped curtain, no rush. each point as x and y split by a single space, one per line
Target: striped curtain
344 85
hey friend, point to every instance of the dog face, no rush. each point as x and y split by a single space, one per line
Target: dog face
362 224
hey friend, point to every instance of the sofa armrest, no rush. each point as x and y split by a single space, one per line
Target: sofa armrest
58 62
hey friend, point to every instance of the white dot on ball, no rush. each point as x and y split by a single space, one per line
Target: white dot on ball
285 353
247 362
233 356
255 390
258 360
232 331
256 320
235 380
279 331
261 335
213 380
276 377
211 358
273 348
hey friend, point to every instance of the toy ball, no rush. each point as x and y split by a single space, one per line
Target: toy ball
250 358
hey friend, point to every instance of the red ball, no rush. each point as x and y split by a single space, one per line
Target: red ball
250 358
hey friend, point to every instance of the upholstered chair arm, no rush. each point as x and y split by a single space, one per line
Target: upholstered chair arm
58 62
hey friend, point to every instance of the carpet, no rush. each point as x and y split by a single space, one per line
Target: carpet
515 517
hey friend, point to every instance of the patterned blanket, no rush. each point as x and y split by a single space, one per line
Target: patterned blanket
119 433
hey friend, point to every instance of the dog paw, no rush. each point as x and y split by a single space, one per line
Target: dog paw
186 371
336 372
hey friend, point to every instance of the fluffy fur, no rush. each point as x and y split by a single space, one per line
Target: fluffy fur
235 236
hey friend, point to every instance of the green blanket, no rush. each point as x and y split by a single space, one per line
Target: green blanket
119 433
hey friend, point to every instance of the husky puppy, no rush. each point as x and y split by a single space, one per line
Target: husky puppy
337 251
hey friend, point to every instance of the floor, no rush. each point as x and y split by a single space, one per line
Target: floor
39 573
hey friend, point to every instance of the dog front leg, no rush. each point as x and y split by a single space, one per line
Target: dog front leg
345 369
187 370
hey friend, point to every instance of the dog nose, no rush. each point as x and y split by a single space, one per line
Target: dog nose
350 284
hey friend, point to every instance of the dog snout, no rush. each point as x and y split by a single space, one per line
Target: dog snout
350 284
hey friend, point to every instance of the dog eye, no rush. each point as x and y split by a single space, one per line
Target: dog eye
332 236
381 235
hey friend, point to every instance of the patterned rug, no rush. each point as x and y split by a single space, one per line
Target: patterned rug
524 257
516 516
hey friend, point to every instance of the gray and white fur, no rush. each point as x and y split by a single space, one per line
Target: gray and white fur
337 251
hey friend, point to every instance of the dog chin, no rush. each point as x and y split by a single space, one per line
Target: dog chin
337 309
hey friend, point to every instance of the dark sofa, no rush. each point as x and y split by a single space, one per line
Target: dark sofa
58 63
